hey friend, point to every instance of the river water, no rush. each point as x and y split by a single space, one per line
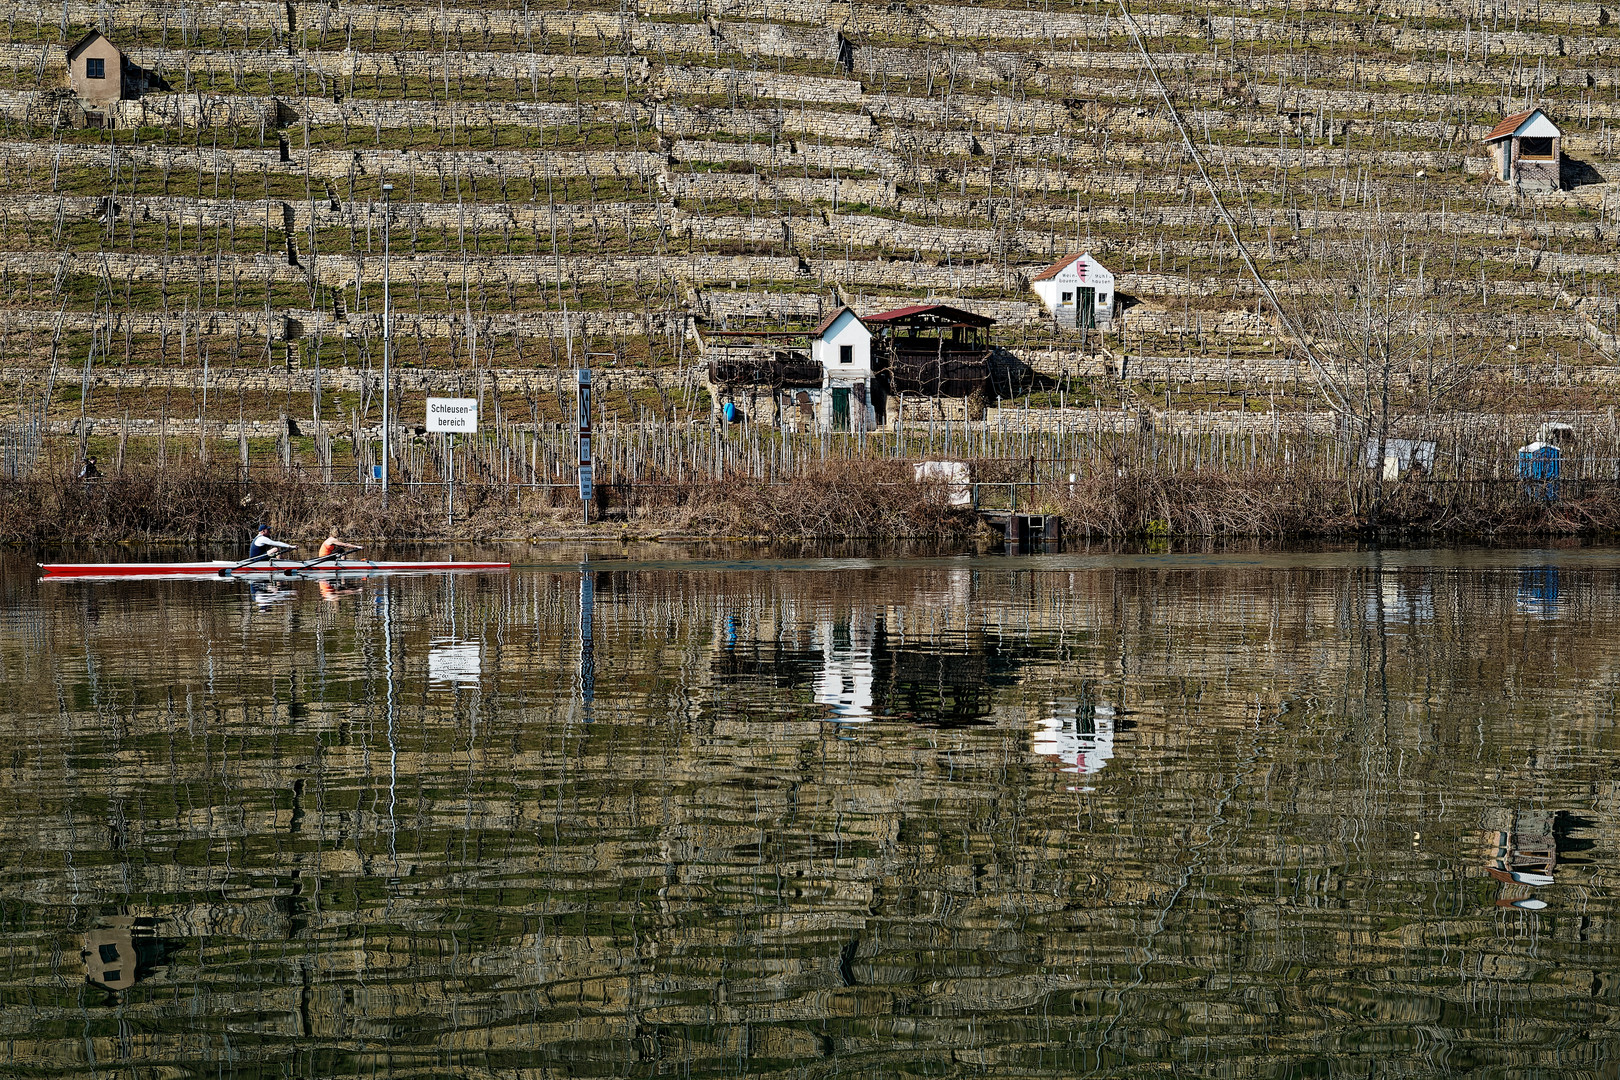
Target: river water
1281 815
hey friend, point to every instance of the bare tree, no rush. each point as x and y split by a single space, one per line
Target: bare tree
1384 339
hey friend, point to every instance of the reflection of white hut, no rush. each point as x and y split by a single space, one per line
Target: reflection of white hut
1082 739
844 683
1403 600
109 957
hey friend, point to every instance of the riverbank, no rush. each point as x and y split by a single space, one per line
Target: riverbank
841 499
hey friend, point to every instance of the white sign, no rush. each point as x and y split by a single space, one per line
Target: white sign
452 414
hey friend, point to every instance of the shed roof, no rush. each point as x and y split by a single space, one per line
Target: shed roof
85 42
1511 124
1058 267
826 324
1055 269
924 314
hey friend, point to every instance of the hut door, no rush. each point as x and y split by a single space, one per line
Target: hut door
1086 317
840 409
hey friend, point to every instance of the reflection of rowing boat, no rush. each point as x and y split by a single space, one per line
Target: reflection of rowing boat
284 567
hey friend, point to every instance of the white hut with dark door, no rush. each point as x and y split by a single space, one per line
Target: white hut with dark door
1527 151
1078 291
842 345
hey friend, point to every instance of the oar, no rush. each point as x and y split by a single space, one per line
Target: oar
225 571
294 571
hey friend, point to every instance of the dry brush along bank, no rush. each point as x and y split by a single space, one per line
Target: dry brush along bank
838 499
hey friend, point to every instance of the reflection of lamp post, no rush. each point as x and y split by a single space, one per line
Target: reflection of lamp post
388 335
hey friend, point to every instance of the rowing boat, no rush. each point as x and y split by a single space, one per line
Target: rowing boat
225 568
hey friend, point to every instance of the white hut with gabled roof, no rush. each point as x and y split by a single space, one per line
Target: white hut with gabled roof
1527 151
1078 291
842 345
97 71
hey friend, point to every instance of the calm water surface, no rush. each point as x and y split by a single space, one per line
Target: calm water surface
1269 815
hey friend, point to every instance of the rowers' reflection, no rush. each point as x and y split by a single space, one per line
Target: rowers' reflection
335 588
123 951
1524 850
267 593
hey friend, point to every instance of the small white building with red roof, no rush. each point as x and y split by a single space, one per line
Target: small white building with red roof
1078 291
1527 151
842 345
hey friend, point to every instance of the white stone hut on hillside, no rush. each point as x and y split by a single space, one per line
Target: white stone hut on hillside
1527 151
1078 291
842 345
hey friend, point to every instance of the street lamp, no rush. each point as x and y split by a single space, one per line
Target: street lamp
388 339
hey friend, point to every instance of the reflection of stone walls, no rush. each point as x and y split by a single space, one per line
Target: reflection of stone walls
682 880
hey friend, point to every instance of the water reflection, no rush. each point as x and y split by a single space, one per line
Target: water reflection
846 681
1079 734
452 662
123 950
1524 850
1539 590
965 816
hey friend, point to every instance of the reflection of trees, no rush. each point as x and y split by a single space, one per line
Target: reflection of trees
708 879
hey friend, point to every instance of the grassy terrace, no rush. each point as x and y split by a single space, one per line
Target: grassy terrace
1260 187
758 237
331 352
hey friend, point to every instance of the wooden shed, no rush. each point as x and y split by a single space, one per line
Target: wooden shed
934 349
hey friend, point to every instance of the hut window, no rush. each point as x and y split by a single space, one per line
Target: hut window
95 68
1068 298
846 354
1102 298
1536 148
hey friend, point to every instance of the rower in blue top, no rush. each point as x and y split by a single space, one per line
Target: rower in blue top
263 547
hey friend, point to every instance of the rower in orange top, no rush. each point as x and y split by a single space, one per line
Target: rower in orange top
333 546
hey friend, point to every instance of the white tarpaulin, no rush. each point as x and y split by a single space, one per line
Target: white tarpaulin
953 474
1406 452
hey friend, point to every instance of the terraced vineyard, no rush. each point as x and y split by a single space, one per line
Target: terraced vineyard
215 256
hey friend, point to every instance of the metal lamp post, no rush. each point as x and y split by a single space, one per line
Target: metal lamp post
388 339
